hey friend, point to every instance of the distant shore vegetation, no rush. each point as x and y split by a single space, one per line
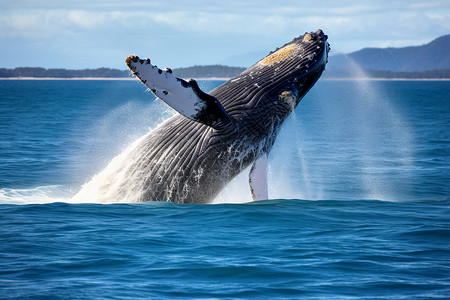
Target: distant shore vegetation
433 74
429 61
211 71
205 72
62 73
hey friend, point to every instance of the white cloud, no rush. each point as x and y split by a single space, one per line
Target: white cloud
221 28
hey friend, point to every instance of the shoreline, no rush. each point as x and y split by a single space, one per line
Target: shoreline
224 79
67 78
384 79
99 78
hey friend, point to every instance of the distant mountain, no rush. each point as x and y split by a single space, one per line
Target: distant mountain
432 56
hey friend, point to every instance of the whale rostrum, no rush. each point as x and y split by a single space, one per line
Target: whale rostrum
193 155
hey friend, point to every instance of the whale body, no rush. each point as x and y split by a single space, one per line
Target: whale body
193 155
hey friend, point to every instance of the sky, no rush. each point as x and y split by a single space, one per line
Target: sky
80 34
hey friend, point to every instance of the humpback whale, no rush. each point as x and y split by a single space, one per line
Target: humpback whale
193 155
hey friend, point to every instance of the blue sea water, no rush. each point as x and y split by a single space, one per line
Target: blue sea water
359 181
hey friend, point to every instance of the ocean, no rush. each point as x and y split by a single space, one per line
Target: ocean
359 187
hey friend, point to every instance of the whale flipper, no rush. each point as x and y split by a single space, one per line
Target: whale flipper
258 179
183 96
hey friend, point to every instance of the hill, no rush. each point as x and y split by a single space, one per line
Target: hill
202 72
217 71
429 61
429 57
62 73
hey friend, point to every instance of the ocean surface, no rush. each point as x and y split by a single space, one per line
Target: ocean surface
359 186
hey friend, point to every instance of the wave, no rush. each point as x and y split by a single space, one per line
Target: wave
236 192
36 195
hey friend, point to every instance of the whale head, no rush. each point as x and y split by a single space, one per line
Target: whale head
289 72
276 83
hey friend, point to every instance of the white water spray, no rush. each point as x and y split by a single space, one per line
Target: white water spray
104 187
380 124
297 167
301 165
358 142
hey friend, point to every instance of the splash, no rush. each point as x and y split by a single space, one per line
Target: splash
380 124
236 191
113 133
360 142
103 187
303 164
295 170
37 195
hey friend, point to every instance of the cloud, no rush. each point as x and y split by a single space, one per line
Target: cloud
208 31
37 24
234 18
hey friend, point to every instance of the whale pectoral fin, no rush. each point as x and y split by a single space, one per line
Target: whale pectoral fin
183 96
258 179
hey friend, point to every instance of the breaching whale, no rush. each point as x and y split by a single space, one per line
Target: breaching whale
193 155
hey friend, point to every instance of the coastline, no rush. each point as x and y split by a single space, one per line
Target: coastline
224 78
99 78
384 79
70 78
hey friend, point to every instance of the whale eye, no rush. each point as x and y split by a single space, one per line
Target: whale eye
307 37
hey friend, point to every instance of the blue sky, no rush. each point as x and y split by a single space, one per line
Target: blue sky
80 34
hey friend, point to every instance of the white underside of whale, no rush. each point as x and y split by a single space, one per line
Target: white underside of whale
258 179
168 88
